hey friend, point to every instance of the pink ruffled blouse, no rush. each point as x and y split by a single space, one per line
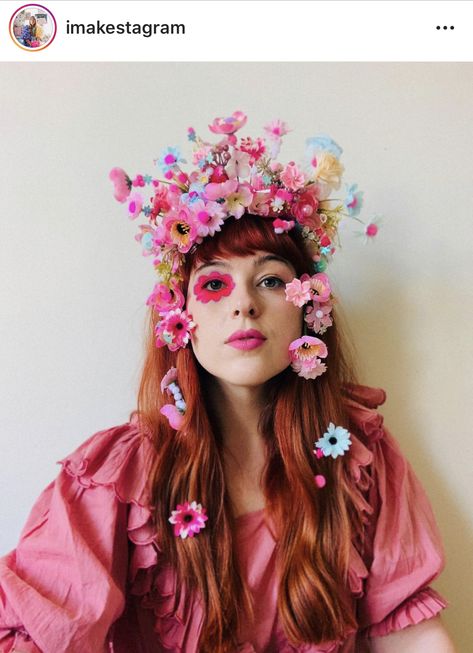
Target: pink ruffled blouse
86 576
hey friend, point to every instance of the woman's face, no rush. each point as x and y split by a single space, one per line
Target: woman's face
244 324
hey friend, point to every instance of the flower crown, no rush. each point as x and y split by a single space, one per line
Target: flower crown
233 177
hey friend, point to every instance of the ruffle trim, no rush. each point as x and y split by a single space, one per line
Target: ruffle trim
427 603
119 458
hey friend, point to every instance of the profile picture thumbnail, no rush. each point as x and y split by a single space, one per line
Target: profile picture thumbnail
32 27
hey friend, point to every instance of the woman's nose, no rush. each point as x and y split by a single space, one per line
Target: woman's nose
245 304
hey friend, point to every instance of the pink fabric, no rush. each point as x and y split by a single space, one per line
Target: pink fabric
87 577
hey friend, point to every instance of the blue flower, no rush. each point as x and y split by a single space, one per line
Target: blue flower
170 158
196 191
147 179
353 201
335 441
321 143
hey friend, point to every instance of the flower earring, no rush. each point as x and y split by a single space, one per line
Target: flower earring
173 412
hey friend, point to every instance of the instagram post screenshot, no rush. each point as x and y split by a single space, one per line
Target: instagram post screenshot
236 326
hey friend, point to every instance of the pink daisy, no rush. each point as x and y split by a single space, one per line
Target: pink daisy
174 330
209 217
188 519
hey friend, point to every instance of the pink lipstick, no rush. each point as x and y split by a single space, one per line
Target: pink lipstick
246 340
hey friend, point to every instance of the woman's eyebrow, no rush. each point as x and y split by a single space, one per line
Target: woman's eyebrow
261 260
210 263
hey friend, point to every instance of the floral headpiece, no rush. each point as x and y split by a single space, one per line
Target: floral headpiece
230 178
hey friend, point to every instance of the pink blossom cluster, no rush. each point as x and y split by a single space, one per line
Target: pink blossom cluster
313 291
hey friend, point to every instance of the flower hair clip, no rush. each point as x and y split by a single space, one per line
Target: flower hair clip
173 412
334 442
229 178
188 519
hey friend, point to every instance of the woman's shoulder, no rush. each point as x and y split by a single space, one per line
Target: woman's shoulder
119 456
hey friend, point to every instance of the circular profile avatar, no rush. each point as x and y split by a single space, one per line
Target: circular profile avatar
32 27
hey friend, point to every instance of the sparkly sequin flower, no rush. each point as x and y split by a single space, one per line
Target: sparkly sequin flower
335 441
188 519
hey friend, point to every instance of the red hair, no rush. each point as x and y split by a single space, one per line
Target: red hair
314 601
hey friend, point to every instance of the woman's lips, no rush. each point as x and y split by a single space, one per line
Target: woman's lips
246 340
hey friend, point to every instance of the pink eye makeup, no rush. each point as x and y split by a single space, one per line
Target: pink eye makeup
212 287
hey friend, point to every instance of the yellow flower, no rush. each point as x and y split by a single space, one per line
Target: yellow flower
329 170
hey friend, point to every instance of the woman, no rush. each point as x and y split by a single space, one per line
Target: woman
32 33
254 502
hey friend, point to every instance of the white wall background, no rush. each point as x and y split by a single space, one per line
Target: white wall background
73 282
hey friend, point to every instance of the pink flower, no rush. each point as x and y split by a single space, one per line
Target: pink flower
305 208
146 238
173 415
174 330
208 217
305 354
228 125
276 129
298 292
292 177
121 182
280 226
319 285
168 378
238 165
255 149
237 202
188 519
318 317
309 369
220 191
164 299
180 229
135 204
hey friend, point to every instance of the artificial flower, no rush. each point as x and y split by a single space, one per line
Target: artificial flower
146 239
169 159
318 317
169 378
139 181
304 208
188 519
298 292
255 148
319 286
280 226
276 129
174 329
329 170
238 201
292 177
238 165
353 200
121 183
135 204
335 441
318 144
221 190
174 416
209 218
180 229
164 299
228 125
305 354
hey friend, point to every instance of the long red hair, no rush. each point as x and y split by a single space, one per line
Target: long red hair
314 602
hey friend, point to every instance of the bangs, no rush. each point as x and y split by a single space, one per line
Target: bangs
246 236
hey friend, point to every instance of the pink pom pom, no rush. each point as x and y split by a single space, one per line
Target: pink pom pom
320 480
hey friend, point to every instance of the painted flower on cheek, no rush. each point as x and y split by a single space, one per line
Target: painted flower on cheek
212 287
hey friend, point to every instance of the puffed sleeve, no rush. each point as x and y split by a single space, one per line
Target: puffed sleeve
403 550
63 587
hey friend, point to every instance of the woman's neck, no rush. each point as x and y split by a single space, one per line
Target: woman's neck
238 410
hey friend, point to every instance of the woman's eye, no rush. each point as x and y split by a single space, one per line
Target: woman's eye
214 284
272 282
